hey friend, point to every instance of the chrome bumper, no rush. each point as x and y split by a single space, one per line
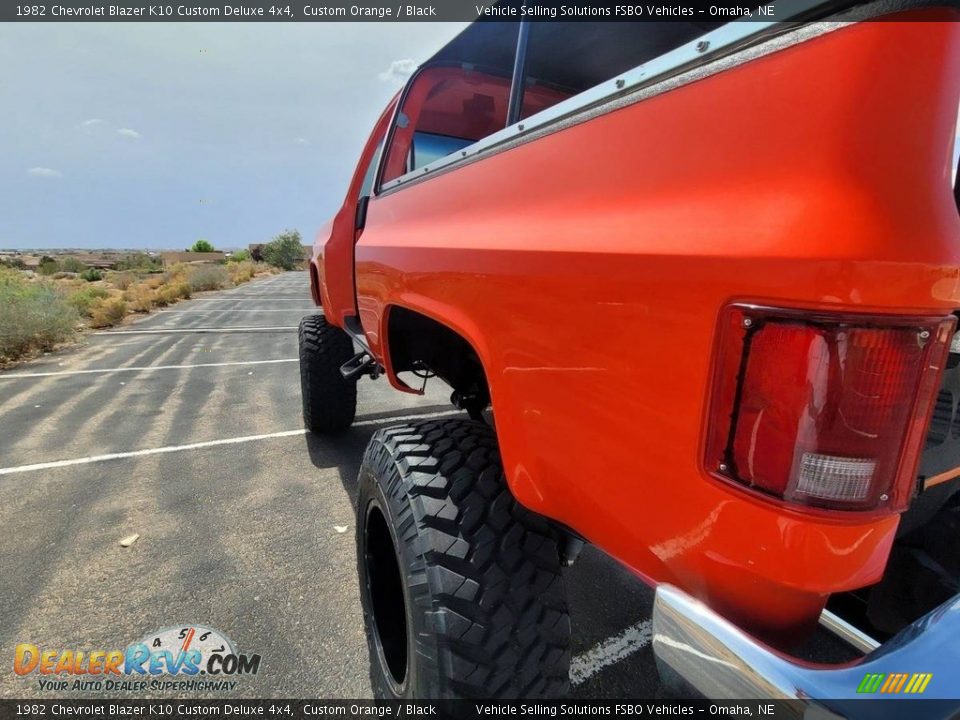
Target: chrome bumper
721 661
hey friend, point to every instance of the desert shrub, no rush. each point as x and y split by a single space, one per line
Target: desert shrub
61 275
241 272
154 281
121 280
176 273
107 311
82 300
285 251
239 256
171 292
140 298
141 262
33 316
207 277
91 275
71 264
202 246
48 266
13 262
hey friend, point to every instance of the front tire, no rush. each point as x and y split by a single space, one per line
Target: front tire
329 399
461 587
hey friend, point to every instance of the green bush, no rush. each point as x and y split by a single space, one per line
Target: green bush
13 262
91 275
285 251
202 246
83 299
239 256
71 264
48 266
33 316
207 277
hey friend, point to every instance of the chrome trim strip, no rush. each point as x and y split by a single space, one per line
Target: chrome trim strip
705 48
721 661
851 635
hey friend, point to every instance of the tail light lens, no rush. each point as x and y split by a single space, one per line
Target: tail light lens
823 410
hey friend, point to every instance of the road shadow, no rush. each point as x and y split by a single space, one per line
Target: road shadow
344 451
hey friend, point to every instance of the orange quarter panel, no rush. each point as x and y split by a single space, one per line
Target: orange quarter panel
588 269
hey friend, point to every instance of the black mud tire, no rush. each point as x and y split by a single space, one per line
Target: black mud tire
329 400
461 587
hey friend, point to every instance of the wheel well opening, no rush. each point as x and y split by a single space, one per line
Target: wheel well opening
417 342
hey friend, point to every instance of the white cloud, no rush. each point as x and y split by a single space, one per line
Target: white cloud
127 132
44 172
91 123
398 71
302 141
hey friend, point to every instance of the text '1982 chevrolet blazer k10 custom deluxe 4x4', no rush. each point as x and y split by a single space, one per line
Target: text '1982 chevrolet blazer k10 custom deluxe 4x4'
694 285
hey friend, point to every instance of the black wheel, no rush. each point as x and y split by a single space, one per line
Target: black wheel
461 587
329 400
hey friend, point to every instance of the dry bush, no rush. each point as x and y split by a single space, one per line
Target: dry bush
83 298
108 311
175 274
154 281
207 277
241 272
172 292
121 280
140 298
33 316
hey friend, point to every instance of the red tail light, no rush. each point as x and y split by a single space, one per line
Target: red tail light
822 410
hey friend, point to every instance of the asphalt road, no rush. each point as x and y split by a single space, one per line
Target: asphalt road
253 536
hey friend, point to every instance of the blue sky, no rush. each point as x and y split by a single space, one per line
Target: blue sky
153 135
146 135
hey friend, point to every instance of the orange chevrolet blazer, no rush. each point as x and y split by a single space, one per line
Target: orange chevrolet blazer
694 286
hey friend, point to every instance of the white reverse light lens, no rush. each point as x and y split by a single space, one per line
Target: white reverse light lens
835 478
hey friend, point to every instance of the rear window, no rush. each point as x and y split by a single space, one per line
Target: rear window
570 57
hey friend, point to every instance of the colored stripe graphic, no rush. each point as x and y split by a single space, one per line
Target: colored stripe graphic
891 681
895 683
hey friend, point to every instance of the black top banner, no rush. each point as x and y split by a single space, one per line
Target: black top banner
395 11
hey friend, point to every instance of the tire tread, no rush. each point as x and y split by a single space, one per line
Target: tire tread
496 599
329 400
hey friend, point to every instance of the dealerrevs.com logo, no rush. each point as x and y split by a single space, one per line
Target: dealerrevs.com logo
182 658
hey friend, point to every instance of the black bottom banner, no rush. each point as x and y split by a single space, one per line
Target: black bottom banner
306 709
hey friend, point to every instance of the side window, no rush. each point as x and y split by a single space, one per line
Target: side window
453 103
428 147
446 109
367 187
